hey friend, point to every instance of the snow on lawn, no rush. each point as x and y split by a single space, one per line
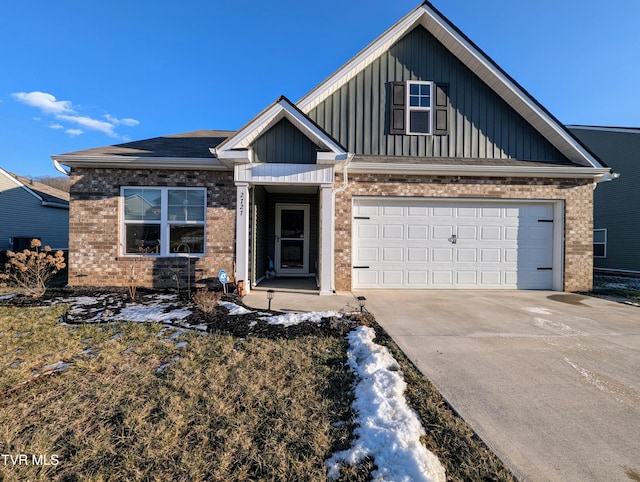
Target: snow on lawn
387 429
291 319
234 309
157 308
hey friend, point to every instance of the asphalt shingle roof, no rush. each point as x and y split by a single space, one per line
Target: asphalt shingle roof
193 145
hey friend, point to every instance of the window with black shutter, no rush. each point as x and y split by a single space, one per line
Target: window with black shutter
418 108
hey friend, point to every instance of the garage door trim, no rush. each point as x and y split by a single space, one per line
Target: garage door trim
558 224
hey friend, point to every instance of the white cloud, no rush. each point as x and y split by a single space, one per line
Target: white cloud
47 103
125 122
64 110
89 123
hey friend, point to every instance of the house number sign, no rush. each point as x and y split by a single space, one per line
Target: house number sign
241 206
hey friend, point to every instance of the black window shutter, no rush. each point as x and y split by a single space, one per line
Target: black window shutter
441 110
397 108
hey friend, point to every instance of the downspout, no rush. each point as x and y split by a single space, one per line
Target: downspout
345 183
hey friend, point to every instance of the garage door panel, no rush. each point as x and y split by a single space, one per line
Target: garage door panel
392 211
392 231
467 232
467 278
441 232
366 255
409 243
418 232
392 255
491 233
367 231
442 255
418 279
366 278
466 255
490 255
392 278
417 254
441 279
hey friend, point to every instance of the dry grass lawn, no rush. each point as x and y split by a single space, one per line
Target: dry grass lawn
224 408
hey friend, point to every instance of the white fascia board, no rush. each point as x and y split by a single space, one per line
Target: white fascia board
600 174
140 162
18 183
470 56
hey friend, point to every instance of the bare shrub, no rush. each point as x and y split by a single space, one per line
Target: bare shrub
31 269
207 300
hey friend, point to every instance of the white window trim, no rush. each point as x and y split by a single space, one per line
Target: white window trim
604 243
421 109
165 224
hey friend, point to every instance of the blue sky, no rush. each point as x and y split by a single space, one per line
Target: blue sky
77 74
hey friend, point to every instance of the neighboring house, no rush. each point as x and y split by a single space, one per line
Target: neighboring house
616 206
419 164
30 209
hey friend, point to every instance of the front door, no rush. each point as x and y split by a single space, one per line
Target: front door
292 239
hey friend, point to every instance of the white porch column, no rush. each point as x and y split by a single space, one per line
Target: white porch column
242 234
326 238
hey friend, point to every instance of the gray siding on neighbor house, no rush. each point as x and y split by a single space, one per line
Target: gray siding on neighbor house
284 143
617 203
481 124
22 214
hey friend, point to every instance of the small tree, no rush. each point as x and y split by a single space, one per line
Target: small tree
32 269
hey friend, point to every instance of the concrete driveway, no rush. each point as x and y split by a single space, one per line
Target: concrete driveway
550 381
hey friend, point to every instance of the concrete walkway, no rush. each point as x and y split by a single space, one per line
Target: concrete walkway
296 295
550 381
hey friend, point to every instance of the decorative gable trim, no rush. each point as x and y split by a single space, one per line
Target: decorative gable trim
238 148
475 59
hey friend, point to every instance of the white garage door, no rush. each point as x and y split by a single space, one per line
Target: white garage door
441 245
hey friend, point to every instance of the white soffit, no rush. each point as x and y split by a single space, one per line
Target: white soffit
475 60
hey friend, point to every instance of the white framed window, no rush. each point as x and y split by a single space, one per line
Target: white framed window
163 221
599 243
419 107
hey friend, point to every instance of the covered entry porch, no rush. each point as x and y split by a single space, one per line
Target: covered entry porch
284 223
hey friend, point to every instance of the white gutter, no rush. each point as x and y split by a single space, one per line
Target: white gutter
60 168
345 183
131 162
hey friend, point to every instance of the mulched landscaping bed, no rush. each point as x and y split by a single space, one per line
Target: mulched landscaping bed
111 301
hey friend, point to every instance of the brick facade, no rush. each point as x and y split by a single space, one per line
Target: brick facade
576 194
95 247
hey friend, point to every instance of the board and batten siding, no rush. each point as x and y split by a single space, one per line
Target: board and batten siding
260 236
284 143
24 215
481 126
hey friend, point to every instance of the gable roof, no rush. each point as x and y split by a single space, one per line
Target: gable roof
427 16
47 195
237 148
